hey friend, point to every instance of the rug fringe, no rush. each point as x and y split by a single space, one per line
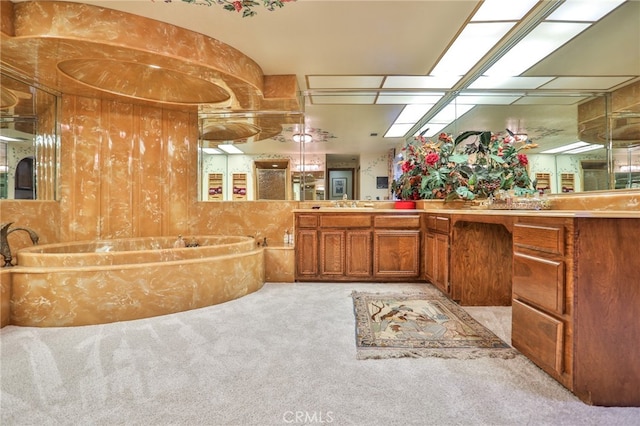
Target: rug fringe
425 292
378 353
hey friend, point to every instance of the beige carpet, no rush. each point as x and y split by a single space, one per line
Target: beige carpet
284 355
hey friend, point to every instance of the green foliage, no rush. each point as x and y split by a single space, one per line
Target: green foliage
475 164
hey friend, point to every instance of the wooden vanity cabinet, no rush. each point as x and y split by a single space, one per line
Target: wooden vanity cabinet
572 281
437 251
333 247
542 322
576 304
351 246
606 312
396 246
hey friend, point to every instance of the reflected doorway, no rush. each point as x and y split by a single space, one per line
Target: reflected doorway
340 184
272 179
24 187
595 176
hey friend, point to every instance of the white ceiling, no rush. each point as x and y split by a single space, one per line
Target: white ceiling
354 44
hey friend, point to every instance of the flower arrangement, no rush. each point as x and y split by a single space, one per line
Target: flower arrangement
474 165
244 6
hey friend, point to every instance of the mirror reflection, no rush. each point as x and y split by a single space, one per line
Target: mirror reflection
583 144
28 141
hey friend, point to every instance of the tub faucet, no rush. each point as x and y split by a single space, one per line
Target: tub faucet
5 250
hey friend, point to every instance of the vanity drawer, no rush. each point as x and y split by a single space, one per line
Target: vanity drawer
438 223
307 221
397 221
538 336
539 281
345 221
548 239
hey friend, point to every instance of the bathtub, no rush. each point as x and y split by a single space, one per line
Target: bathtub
96 282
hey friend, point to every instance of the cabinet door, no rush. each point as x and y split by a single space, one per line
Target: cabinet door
306 254
332 253
358 254
396 254
442 262
437 260
431 262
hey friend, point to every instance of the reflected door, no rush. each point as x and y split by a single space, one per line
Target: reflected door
272 180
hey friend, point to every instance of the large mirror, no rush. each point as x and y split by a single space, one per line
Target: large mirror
28 141
252 156
582 144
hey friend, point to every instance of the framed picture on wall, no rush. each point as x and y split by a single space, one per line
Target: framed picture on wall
338 187
382 182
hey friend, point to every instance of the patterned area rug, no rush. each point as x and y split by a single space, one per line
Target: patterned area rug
420 325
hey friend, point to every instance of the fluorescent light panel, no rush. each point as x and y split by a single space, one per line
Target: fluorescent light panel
10 139
564 148
630 168
398 130
584 149
502 82
420 81
412 113
499 10
585 11
544 39
475 40
230 149
211 151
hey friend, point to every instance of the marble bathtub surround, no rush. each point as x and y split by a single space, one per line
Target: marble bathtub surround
80 284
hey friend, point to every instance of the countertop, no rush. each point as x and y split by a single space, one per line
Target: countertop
614 214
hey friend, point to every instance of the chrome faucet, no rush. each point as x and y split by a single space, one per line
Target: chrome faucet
5 250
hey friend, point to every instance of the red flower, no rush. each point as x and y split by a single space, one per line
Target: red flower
237 5
432 159
444 137
406 167
522 158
